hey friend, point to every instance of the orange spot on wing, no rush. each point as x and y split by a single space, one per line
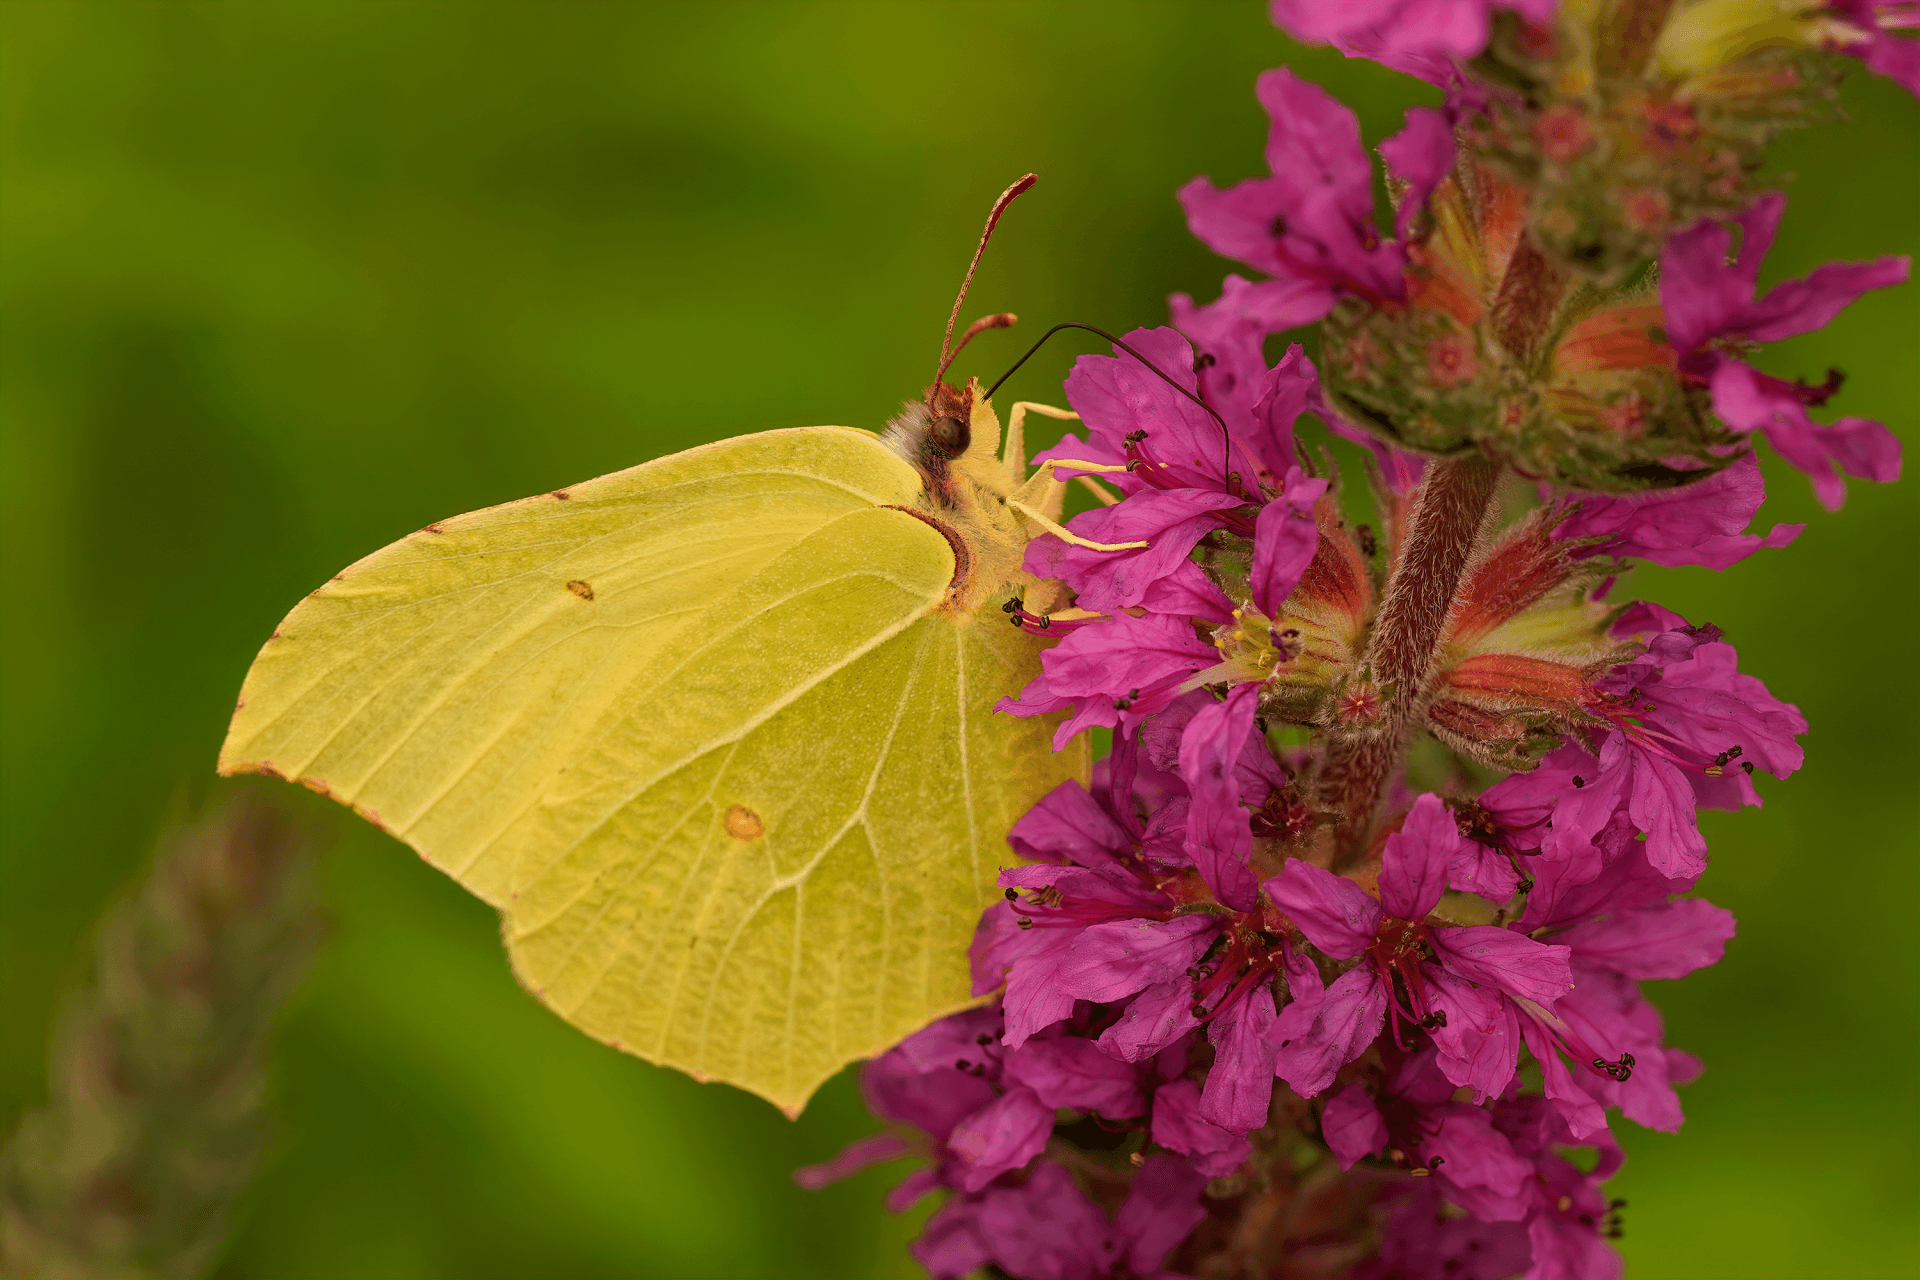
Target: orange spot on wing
743 823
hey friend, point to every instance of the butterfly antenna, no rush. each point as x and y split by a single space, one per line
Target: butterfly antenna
1226 462
1000 321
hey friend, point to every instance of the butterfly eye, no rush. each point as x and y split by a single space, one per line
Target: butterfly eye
948 436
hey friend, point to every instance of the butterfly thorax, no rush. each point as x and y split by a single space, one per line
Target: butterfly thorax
952 437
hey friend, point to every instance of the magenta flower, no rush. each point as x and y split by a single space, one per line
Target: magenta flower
1700 523
1389 30
1480 860
1874 34
1710 306
1118 671
1570 1218
1263 663
1084 938
1622 928
1183 479
1136 420
1179 1125
1456 981
1422 1240
1412 1117
1170 521
1048 1229
1559 1233
1682 716
1310 226
1169 949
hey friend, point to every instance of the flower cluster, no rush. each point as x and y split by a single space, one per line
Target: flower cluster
1558 291
1335 963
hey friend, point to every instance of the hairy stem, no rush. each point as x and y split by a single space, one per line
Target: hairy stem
1448 515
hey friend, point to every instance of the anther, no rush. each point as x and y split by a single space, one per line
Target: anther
1579 781
1015 605
983 1039
1024 923
962 1065
1438 1018
1013 895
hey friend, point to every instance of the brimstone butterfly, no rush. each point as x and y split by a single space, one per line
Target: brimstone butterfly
715 733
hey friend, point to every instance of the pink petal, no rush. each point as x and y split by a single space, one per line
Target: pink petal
1670 940
1413 870
1505 959
1335 913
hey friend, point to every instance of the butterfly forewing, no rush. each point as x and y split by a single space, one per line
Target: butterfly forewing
706 730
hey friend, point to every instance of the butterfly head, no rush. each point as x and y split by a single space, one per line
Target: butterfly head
945 432
948 426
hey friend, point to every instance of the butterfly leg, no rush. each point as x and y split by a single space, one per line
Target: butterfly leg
1058 530
1014 456
1045 493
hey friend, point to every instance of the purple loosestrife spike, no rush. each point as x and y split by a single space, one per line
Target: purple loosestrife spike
1368 1015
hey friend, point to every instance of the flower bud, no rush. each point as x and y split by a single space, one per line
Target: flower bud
1498 348
1632 118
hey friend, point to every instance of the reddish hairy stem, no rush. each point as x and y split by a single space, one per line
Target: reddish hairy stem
1443 529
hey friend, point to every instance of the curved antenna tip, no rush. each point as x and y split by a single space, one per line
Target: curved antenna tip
947 350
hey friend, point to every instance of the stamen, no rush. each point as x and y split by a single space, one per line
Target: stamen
1045 624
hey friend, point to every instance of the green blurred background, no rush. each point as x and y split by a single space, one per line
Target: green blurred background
283 282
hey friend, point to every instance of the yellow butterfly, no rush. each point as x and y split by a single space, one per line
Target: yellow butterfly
714 733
